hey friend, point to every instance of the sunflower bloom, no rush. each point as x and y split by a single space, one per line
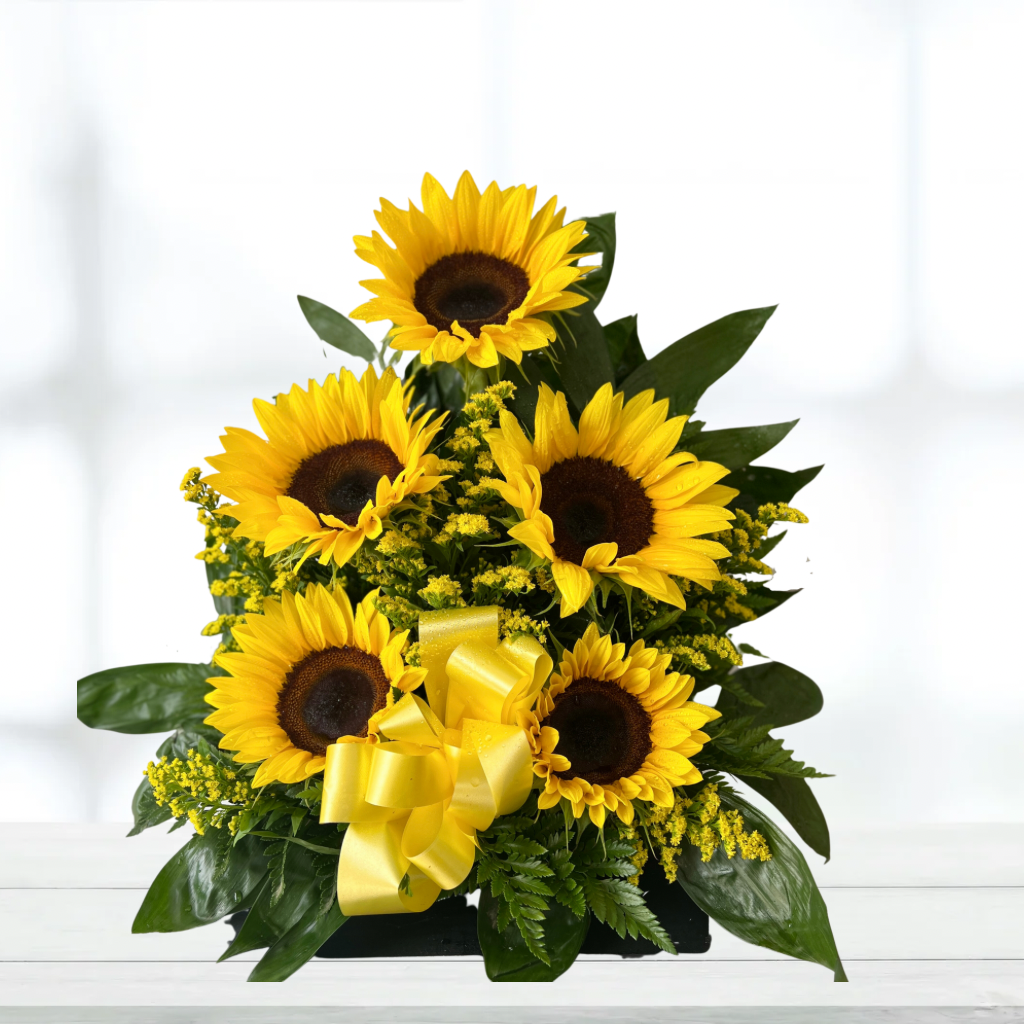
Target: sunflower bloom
611 728
310 674
337 459
610 499
469 276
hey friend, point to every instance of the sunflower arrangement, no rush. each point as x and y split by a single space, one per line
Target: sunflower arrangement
475 617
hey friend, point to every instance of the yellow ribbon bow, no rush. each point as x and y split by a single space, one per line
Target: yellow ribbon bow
445 768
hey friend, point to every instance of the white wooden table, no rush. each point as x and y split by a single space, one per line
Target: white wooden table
929 922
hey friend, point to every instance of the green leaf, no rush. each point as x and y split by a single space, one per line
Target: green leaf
787 696
759 485
600 238
737 446
688 367
270 919
337 330
145 810
298 945
506 956
624 346
795 799
207 879
145 698
775 904
583 360
535 369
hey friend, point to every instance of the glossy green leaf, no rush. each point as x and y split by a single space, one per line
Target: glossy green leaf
688 367
795 799
268 920
787 696
336 329
506 957
145 810
775 904
583 360
601 239
145 698
298 945
207 879
737 446
759 485
624 348
527 377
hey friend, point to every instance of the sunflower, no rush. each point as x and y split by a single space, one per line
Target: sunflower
610 499
310 674
610 729
469 275
337 460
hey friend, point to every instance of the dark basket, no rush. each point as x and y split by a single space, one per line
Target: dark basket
448 928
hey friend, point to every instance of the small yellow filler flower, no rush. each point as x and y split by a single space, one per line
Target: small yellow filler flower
336 460
611 728
469 276
310 673
610 499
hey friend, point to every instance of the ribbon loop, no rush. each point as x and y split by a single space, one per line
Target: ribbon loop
443 770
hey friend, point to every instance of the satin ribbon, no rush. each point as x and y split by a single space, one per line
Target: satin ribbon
445 768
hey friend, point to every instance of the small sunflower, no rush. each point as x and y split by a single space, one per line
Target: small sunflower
337 459
610 499
469 275
611 728
310 674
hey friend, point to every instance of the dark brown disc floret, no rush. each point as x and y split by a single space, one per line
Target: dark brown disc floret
329 694
593 501
474 288
603 731
340 480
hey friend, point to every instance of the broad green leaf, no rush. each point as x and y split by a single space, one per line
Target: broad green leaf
795 799
775 904
298 945
506 957
145 698
178 744
600 238
438 386
207 879
145 810
624 347
527 378
268 920
688 367
787 696
738 446
583 360
336 329
759 485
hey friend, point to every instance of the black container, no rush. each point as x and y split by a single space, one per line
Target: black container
448 928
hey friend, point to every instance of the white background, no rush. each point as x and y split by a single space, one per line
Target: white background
172 174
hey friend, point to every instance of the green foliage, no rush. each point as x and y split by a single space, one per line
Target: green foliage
336 329
784 695
740 747
207 879
600 239
738 446
146 812
688 367
299 944
794 798
775 903
438 386
583 360
624 347
760 484
145 698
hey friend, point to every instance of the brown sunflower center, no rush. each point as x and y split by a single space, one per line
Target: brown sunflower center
593 501
603 730
340 480
472 287
329 694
